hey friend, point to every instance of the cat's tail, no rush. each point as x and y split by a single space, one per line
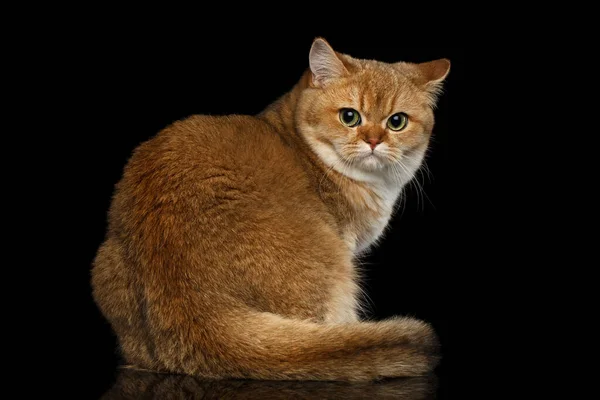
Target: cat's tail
266 346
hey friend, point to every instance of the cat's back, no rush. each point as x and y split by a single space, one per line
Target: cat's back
236 140
207 167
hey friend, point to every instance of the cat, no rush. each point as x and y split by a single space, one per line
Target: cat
231 245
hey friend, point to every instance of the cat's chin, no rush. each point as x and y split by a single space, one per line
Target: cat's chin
371 163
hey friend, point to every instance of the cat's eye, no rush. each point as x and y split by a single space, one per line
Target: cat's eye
397 122
349 117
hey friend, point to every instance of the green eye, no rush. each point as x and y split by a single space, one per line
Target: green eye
349 117
397 122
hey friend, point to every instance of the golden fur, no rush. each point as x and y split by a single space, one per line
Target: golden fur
231 240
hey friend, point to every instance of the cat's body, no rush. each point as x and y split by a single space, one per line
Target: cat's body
231 244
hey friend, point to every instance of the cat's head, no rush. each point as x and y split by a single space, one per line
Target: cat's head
365 117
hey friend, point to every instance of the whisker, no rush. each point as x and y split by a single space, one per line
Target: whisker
427 170
418 186
412 182
402 202
420 172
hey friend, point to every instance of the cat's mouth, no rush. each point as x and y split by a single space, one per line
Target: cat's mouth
372 154
370 161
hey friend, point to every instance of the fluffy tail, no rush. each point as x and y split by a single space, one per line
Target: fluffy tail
267 346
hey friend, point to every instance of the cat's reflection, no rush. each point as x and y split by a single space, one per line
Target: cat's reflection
133 384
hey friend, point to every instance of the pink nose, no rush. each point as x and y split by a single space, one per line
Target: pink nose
373 142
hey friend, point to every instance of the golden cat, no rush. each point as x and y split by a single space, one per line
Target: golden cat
231 241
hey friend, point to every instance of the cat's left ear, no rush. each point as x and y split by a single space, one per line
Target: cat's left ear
433 74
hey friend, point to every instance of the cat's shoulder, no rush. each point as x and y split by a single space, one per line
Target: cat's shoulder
205 138
223 124
208 131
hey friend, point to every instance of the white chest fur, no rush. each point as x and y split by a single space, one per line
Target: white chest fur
376 193
384 199
380 196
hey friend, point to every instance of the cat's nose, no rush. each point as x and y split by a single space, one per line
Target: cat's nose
373 142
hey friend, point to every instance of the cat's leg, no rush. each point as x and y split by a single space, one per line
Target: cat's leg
344 304
114 292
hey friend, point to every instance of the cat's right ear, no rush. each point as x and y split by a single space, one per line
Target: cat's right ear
324 63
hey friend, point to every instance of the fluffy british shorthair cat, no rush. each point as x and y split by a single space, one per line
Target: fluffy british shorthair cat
232 240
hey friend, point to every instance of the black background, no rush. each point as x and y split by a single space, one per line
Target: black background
131 83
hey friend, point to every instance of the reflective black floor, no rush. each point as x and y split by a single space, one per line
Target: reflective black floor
133 384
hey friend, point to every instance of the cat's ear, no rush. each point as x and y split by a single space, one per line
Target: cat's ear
433 74
324 63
